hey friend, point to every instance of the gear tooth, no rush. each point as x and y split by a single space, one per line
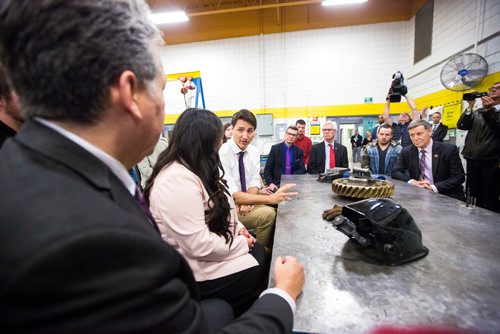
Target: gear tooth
378 189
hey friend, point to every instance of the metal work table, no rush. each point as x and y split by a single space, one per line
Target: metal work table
456 286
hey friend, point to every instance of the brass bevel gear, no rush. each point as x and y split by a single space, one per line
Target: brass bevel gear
360 188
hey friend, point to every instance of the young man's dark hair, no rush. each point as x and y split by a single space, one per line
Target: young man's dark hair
386 126
245 115
300 121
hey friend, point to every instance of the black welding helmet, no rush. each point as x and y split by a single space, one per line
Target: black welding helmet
382 225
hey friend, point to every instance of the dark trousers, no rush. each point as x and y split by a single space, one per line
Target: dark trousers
219 312
240 289
483 182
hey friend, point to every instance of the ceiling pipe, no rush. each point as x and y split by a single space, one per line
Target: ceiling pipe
243 9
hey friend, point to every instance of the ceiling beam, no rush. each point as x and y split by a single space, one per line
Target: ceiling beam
242 9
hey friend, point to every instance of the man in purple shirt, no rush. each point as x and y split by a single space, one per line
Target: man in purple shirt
284 158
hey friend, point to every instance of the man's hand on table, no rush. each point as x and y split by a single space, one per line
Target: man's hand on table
421 184
283 194
289 275
271 189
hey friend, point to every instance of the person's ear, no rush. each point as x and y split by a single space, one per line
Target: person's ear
128 88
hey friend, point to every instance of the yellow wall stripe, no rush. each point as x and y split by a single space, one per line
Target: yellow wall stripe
442 97
175 76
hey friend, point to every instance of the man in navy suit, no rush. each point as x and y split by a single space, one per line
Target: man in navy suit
79 253
327 154
284 158
430 164
439 130
376 128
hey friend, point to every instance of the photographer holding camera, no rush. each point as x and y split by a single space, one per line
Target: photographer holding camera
400 130
482 147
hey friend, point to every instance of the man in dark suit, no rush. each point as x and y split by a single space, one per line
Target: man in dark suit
376 128
78 252
439 130
284 158
430 164
356 143
327 154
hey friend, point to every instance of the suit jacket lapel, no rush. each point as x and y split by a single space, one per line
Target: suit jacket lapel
75 158
414 164
281 153
435 158
295 156
323 156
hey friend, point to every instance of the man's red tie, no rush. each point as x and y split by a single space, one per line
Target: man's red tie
332 157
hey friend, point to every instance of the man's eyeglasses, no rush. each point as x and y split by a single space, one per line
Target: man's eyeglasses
492 89
292 134
327 130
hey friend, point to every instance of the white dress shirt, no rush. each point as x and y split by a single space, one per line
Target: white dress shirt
327 154
229 154
428 161
428 165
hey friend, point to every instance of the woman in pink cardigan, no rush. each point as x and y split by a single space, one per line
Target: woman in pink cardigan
188 196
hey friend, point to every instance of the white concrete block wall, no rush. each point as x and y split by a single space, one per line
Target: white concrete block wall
306 68
330 66
454 32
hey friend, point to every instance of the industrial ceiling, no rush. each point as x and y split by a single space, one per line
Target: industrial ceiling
218 19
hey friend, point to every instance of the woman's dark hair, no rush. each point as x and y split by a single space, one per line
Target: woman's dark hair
224 139
195 141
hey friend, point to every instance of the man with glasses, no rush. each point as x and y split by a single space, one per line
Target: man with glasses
284 158
327 154
482 149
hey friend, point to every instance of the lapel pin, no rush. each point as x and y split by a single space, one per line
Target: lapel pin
436 156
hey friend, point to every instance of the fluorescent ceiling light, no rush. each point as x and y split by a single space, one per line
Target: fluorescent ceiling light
169 17
341 2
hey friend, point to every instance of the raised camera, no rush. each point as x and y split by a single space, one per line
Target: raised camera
473 96
397 87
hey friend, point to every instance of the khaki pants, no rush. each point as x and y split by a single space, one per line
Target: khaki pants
262 219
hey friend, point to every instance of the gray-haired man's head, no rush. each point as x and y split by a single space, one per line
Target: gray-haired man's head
62 56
